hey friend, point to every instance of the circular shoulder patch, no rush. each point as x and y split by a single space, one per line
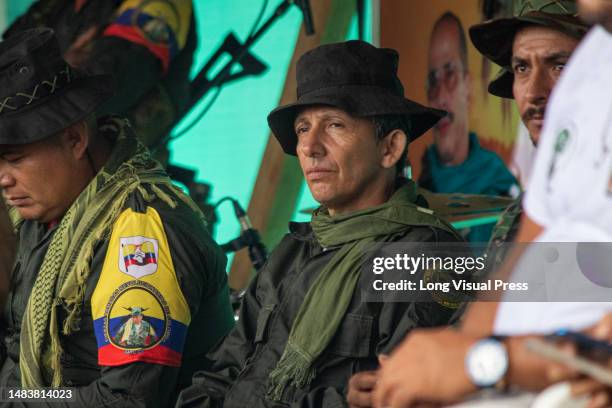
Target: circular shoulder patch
136 317
450 299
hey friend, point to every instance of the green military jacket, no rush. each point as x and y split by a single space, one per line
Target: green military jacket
106 368
244 360
504 233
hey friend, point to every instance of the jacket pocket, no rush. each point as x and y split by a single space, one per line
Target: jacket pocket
354 337
241 392
261 332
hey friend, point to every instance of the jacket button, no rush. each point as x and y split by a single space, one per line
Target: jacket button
24 70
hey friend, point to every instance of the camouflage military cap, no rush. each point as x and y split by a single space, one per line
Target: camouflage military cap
135 311
494 38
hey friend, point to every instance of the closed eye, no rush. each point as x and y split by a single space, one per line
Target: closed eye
13 158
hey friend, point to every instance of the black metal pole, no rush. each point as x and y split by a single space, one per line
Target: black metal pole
221 75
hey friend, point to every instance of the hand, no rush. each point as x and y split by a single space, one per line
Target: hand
360 388
427 368
600 394
603 329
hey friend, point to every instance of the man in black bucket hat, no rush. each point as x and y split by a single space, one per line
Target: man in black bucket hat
355 77
304 326
101 231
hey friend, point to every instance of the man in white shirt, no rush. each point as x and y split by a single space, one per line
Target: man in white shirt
568 200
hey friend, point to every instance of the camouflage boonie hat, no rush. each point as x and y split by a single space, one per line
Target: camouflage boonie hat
135 311
494 38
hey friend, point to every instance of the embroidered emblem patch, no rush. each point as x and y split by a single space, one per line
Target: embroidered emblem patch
562 151
559 146
138 256
450 300
136 327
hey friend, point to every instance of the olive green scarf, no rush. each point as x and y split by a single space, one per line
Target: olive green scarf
63 274
328 299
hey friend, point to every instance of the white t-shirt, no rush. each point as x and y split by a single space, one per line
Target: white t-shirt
570 190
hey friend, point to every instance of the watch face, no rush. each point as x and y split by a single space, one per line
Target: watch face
487 362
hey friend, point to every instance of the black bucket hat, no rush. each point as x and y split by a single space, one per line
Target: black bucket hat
354 76
40 94
494 38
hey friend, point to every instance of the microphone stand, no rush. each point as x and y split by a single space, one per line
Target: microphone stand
251 239
240 54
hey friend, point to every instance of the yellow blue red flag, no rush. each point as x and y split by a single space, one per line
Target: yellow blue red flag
159 25
139 311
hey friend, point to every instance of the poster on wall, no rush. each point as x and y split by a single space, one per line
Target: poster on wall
440 67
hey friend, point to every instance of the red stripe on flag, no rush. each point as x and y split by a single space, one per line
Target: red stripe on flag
132 261
110 355
133 34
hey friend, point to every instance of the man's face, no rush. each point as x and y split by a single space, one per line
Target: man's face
539 55
596 12
38 179
339 156
137 319
448 88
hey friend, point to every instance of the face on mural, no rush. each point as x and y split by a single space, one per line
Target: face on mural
448 88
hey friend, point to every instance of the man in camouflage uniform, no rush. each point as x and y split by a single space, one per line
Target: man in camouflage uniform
136 331
532 97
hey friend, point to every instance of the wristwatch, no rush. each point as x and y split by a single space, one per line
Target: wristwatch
486 362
